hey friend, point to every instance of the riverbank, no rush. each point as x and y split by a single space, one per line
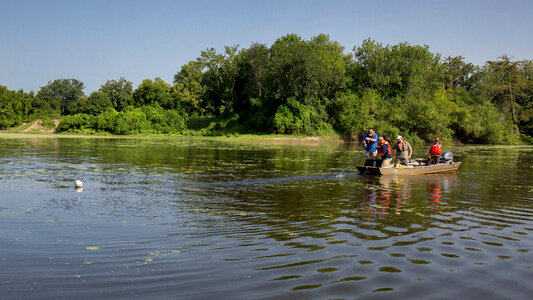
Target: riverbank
47 128
243 138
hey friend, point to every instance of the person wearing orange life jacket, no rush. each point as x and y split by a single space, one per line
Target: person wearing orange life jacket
403 151
435 151
385 152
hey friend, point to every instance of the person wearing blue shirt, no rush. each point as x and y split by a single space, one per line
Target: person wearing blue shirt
370 141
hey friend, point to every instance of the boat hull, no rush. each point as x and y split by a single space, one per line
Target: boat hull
417 170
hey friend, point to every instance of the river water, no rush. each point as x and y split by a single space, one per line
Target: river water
196 218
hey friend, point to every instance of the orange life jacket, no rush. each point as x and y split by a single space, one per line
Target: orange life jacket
436 149
388 148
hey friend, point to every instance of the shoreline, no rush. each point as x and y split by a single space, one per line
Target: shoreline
267 138
254 138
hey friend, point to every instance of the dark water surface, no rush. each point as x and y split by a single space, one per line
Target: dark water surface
202 219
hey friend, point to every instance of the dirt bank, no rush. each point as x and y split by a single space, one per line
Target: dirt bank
38 126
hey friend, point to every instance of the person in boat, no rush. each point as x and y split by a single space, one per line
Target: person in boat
385 152
403 151
370 141
435 151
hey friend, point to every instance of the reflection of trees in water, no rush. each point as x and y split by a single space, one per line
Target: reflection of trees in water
187 155
500 174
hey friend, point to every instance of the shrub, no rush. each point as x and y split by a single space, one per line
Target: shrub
352 114
284 120
132 122
75 123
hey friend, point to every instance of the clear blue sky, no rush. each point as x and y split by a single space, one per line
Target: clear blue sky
95 41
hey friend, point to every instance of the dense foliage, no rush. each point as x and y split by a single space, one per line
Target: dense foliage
296 86
145 119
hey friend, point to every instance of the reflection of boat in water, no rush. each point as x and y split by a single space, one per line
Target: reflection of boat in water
412 170
402 183
417 167
384 196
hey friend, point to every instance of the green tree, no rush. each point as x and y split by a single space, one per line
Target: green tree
155 92
61 94
251 102
119 92
296 117
397 70
188 88
253 68
219 79
457 72
525 118
304 87
355 113
505 85
95 104
410 81
14 107
328 65
41 108
301 69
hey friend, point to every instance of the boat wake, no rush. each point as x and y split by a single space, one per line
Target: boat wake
292 179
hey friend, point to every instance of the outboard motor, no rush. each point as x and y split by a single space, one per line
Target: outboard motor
447 157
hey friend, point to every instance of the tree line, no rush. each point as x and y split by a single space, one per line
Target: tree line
297 86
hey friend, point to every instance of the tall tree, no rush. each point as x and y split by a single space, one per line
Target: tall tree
507 86
219 79
155 92
306 69
97 103
188 86
119 92
14 107
252 94
525 118
329 64
253 69
398 70
61 94
457 72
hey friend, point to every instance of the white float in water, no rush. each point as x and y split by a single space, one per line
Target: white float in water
78 183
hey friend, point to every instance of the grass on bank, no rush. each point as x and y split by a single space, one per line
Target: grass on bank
201 127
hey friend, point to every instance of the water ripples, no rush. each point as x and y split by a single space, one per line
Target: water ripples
249 224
